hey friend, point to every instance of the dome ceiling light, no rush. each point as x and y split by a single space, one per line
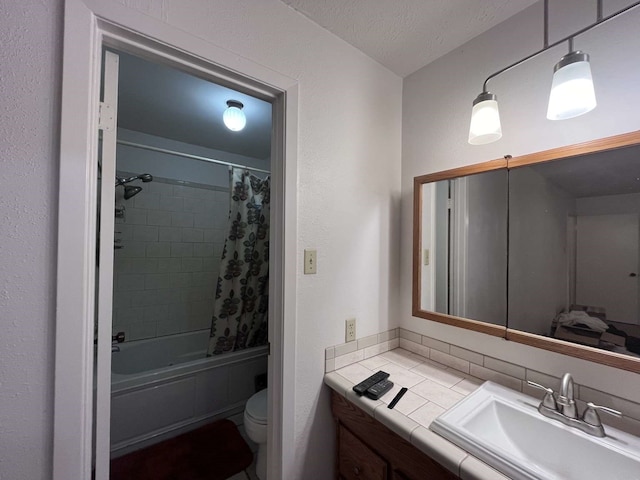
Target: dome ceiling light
234 117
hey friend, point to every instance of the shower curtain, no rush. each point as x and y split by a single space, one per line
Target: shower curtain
241 301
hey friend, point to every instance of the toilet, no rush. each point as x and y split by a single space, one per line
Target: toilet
255 424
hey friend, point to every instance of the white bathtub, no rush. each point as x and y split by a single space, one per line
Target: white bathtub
165 386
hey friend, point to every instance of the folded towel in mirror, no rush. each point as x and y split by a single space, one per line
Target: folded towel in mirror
582 318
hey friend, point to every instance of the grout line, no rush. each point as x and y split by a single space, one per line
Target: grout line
401 333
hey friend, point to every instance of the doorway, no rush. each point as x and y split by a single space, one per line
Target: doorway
78 296
178 167
607 248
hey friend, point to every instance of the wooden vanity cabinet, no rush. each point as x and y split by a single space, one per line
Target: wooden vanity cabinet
366 449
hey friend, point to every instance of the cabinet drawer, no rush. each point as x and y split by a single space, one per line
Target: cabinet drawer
357 461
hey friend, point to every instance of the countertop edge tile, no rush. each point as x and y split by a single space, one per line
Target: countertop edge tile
449 455
442 451
338 383
473 469
395 421
363 402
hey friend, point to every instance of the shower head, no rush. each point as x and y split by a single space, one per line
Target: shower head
145 177
131 191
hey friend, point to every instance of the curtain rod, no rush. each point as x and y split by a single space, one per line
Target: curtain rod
188 155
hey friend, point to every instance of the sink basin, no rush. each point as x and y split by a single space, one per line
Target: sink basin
503 428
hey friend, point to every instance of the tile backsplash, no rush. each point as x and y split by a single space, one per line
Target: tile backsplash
172 235
479 366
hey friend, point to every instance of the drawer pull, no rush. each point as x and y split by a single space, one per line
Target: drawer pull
356 470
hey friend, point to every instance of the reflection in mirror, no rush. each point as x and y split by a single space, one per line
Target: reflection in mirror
573 249
464 244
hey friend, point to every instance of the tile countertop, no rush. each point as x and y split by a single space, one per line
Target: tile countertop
433 388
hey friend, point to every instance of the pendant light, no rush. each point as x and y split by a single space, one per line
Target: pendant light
485 120
572 92
233 117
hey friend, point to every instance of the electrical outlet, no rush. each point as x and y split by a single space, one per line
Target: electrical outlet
350 330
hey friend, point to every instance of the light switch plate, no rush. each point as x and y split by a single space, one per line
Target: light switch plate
310 262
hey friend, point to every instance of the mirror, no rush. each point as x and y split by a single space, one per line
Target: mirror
573 249
540 249
464 245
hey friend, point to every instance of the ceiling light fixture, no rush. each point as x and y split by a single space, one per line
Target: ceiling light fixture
233 117
572 93
485 120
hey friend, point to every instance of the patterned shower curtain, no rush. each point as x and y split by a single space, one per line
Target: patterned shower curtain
242 293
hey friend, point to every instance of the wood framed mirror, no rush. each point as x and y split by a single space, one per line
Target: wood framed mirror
541 249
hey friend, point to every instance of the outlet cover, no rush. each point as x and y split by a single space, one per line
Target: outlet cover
350 330
310 262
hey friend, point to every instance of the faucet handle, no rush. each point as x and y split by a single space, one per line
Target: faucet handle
591 416
549 400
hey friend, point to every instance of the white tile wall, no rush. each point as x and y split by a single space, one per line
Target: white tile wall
166 273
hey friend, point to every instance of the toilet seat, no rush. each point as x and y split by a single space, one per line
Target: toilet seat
256 408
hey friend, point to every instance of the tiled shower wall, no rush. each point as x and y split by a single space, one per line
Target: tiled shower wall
172 237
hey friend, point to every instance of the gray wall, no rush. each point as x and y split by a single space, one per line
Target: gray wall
538 213
609 205
132 159
30 74
486 247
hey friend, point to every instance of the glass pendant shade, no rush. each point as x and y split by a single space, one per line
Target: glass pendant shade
572 92
233 117
485 120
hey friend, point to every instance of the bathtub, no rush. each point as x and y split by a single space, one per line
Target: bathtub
164 386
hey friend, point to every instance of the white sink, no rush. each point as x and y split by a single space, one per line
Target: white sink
503 428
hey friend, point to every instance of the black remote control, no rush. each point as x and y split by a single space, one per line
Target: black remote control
379 389
397 398
370 382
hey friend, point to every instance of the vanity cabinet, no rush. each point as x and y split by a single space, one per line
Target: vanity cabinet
366 449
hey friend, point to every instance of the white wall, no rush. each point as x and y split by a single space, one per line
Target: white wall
348 203
31 39
436 111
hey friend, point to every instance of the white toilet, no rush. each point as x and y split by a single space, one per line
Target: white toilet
255 424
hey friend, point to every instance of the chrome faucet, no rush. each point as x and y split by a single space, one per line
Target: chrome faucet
566 401
563 408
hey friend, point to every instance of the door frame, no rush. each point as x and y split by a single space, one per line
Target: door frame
90 25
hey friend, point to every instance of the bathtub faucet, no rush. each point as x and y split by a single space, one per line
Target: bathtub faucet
117 338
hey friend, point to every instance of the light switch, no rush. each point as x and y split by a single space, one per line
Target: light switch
310 265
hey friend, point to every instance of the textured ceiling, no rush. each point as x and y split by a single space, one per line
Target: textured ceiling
405 35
